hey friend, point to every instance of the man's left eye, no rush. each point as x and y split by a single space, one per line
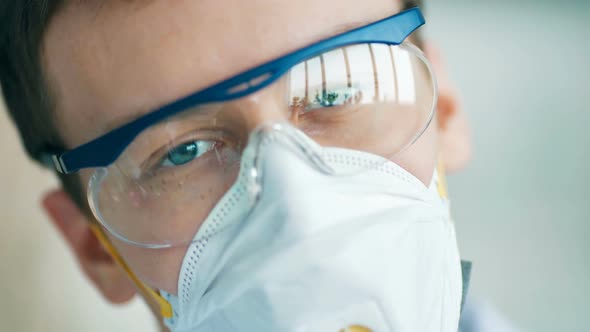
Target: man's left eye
330 98
326 99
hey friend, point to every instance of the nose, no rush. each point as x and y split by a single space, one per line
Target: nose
264 107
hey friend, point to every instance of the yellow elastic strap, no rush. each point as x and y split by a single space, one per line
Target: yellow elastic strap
441 185
165 307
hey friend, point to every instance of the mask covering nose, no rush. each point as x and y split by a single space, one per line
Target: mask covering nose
300 244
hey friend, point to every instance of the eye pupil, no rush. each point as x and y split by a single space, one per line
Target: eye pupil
183 153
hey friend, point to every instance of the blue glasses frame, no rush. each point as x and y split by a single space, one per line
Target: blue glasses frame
104 150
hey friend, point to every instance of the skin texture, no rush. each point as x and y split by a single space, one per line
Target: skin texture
110 62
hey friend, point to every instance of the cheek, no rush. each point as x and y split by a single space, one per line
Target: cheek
420 159
180 212
158 268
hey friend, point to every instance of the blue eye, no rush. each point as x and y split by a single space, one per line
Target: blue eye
335 97
327 99
186 152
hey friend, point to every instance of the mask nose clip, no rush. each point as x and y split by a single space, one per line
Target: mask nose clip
287 137
292 139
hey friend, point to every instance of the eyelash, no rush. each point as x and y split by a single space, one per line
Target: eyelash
201 147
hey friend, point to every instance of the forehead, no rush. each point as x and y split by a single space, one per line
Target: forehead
109 61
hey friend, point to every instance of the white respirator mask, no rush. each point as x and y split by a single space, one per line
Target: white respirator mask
304 242
319 229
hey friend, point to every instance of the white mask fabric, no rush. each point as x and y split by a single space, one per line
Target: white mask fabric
292 248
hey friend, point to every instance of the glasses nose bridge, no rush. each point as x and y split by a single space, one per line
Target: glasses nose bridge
263 107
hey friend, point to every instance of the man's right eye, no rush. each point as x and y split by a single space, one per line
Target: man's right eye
186 152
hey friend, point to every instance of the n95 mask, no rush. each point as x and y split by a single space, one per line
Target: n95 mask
304 242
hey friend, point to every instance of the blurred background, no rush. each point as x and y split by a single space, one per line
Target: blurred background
521 207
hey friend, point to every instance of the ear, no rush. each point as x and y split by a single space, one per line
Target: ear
454 131
96 263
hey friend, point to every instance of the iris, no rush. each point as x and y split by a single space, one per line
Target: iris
183 153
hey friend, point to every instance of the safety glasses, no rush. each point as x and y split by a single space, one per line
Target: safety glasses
158 177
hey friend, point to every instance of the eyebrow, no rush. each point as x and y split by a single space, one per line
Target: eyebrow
127 118
140 112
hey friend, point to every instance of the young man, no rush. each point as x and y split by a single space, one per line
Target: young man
264 165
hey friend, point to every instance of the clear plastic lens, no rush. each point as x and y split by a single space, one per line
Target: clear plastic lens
370 97
374 98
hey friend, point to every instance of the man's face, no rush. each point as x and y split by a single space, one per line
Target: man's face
110 62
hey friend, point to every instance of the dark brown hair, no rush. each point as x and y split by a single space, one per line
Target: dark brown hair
25 89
